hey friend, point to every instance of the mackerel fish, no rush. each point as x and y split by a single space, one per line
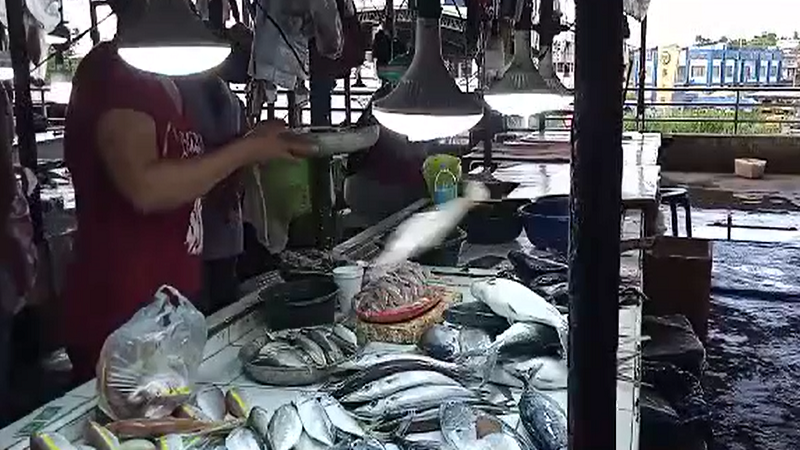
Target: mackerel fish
421 397
398 382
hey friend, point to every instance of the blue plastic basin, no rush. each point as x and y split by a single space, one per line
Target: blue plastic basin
546 222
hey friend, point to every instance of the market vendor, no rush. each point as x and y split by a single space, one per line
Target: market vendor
139 173
387 177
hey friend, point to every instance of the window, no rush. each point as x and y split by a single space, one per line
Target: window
728 71
698 71
716 72
567 69
681 73
747 73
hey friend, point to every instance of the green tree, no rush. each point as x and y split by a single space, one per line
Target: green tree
62 60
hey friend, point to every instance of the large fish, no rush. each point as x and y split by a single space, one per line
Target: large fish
545 373
440 342
243 439
397 382
281 354
285 428
517 303
543 419
345 334
385 368
315 421
420 397
528 338
368 360
340 418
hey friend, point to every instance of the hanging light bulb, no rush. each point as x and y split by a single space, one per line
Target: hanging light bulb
427 104
59 35
522 90
170 39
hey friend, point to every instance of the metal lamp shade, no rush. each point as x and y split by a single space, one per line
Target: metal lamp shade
427 104
170 39
522 90
59 35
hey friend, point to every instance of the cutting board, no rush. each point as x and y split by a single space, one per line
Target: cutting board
407 332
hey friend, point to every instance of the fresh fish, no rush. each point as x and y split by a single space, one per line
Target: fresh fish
333 354
258 421
398 382
545 373
367 360
137 444
171 442
211 400
407 444
315 421
99 437
243 439
307 443
543 419
440 342
284 428
517 303
476 314
459 424
312 349
528 338
500 441
473 340
366 444
50 441
359 379
421 397
346 334
339 417
191 412
280 354
237 403
499 375
344 345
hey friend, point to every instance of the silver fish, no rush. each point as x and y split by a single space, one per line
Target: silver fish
137 444
473 340
367 360
211 400
315 420
545 373
312 349
284 428
528 338
366 444
333 354
500 376
243 438
237 403
441 342
280 354
171 442
188 411
458 424
258 421
50 441
307 443
544 420
499 441
99 437
397 382
339 417
421 397
345 333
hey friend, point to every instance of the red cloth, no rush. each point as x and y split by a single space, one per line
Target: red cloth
121 255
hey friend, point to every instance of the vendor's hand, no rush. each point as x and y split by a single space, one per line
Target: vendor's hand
272 140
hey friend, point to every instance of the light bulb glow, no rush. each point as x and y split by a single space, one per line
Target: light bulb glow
527 104
424 127
175 61
55 40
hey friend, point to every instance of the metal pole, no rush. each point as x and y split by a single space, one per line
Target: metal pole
389 22
23 107
94 33
320 176
595 206
736 111
642 75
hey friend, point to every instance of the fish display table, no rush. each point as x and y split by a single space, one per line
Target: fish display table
240 323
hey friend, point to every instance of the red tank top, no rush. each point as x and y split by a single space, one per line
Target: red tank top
122 256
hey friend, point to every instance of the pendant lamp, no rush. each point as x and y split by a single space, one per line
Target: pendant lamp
522 90
59 35
170 39
427 104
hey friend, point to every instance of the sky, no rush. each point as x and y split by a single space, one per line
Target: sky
670 21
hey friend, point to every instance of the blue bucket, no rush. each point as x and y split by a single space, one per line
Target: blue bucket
546 222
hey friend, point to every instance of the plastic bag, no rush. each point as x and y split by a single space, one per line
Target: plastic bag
147 367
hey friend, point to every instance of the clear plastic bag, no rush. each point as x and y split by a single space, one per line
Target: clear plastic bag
147 367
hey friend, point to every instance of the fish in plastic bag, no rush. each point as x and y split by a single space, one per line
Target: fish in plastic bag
147 366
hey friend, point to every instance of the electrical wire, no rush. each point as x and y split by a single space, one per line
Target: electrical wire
71 43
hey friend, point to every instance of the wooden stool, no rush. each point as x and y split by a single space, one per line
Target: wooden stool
675 197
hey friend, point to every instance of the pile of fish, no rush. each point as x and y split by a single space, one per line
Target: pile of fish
465 428
390 391
298 356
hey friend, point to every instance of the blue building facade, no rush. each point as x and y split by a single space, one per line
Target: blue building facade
713 66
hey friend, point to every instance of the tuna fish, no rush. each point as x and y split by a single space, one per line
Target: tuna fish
543 419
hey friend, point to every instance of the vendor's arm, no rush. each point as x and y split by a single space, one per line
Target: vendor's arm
126 139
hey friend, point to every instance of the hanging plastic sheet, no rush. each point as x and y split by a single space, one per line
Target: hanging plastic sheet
636 8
